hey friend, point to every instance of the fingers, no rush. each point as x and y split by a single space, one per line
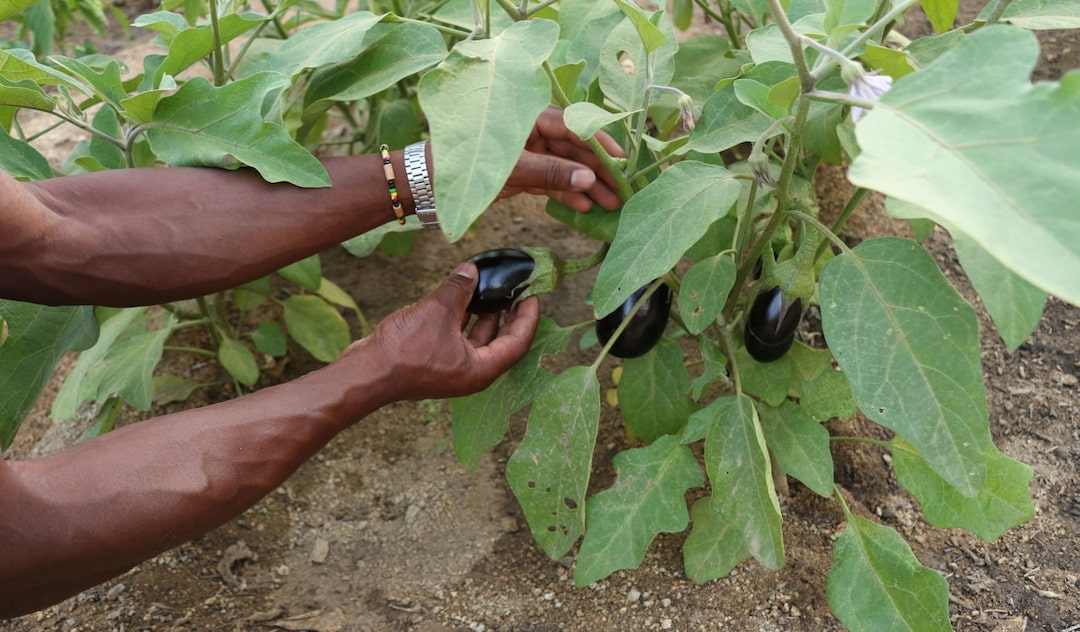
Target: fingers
457 289
513 340
567 181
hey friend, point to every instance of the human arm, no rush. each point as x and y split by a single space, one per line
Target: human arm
138 237
74 519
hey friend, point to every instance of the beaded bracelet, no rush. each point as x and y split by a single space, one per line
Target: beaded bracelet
388 171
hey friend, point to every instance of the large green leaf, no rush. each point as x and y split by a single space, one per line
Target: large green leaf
648 498
972 141
196 42
307 273
36 338
479 421
715 544
17 65
651 36
122 362
659 224
1013 303
9 8
1040 14
623 75
737 462
585 25
482 102
652 392
322 44
909 345
317 326
1002 503
21 160
549 471
800 444
398 51
877 585
203 125
25 94
83 380
705 289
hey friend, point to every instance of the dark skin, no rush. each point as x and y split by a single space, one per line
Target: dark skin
91 512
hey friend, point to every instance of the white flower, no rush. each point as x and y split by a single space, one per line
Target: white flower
868 87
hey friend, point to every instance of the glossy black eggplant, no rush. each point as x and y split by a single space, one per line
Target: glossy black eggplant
771 324
504 273
644 329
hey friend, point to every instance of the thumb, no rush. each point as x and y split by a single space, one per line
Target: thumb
552 173
456 291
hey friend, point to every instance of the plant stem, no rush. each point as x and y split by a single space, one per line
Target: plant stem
727 347
849 50
840 97
626 322
776 9
639 131
998 11
623 186
877 442
843 503
821 228
194 350
218 53
724 19
842 219
577 266
511 9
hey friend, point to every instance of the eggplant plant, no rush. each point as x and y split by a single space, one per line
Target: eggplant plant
722 135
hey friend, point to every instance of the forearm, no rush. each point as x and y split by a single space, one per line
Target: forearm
72 520
184 232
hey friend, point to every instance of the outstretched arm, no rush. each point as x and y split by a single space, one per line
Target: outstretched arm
138 237
74 519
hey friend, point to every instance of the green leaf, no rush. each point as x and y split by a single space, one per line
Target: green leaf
83 381
9 8
715 544
398 51
648 498
335 295
25 94
909 345
19 65
623 79
727 121
800 444
201 125
651 37
21 160
598 224
1013 303
269 339
585 26
195 43
317 326
586 119
846 13
652 392
770 381
173 388
823 391
128 368
1039 14
683 14
36 338
659 224
549 471
972 141
501 77
238 361
322 44
307 273
705 289
877 585
106 84
942 13
892 62
479 421
737 463
756 95
1002 503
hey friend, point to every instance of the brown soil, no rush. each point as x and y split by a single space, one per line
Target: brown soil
384 530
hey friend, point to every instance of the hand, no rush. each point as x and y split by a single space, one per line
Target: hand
429 353
558 164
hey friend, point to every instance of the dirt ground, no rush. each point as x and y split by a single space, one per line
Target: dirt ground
385 531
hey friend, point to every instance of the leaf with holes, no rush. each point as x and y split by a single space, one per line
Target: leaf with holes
549 471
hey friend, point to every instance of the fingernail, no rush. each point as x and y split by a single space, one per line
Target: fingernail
582 179
466 270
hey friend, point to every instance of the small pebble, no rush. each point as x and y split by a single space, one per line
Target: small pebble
633 596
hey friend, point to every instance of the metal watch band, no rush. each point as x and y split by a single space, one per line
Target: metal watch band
420 183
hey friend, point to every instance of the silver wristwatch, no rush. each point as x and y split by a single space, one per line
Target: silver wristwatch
420 184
